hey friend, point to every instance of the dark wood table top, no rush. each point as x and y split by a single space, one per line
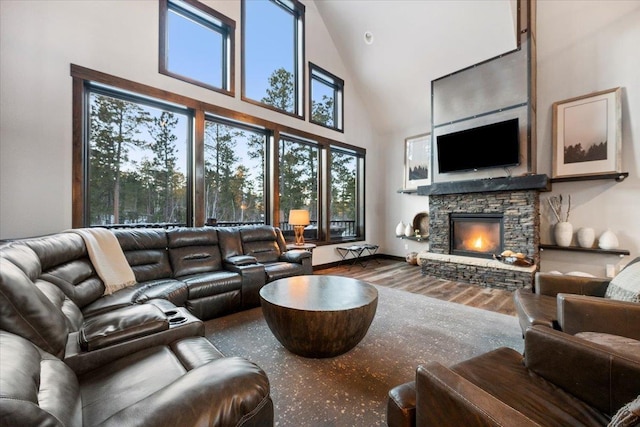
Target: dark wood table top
319 293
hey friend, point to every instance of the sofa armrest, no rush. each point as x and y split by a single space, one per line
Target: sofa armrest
579 313
229 391
604 379
121 325
553 284
445 398
253 279
83 361
240 260
295 255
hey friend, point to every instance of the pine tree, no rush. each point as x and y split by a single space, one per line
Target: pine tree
114 127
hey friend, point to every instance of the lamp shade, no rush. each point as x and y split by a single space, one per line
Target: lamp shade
298 217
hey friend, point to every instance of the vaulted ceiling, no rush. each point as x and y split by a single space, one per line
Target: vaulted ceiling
414 42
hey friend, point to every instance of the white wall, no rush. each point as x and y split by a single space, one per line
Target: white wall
39 41
583 47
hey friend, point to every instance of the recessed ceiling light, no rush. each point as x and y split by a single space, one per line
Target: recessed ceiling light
368 37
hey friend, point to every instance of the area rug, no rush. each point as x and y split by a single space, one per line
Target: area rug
351 389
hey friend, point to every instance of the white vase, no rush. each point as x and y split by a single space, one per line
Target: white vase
408 230
563 233
586 237
608 240
400 229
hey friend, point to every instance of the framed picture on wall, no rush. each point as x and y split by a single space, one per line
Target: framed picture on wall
417 161
587 135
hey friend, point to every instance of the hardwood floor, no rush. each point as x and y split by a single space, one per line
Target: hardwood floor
401 275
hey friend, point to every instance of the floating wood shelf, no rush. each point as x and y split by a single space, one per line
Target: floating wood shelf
620 252
407 191
415 239
616 176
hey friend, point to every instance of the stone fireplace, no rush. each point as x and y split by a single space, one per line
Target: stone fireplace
490 222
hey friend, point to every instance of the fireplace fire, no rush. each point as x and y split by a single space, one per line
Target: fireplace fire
478 235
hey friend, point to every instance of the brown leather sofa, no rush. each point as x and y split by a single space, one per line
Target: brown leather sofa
574 304
146 362
184 383
73 356
210 271
561 380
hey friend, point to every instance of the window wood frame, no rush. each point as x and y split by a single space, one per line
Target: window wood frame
299 58
228 66
200 109
338 107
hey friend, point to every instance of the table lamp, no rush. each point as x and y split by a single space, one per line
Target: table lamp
299 218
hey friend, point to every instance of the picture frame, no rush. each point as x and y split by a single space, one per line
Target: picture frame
587 135
417 161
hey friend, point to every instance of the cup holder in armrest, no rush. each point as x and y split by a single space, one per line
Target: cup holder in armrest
177 320
171 313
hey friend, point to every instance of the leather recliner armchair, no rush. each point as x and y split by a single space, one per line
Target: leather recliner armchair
560 380
575 304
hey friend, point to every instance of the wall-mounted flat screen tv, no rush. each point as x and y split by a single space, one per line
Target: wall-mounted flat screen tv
489 146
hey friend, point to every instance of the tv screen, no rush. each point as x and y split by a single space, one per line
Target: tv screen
489 146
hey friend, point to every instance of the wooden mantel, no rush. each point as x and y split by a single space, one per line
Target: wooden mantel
539 182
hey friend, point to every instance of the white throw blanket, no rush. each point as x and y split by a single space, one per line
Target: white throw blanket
107 257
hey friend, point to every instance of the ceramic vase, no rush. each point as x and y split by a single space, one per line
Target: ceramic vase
563 233
408 230
400 229
608 240
586 237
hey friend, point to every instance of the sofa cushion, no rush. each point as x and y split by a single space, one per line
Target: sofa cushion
26 311
37 388
626 285
146 252
194 250
280 270
207 284
64 261
261 242
172 290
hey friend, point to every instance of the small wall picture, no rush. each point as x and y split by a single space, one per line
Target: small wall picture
417 161
587 135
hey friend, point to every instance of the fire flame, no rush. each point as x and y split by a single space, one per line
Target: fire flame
478 244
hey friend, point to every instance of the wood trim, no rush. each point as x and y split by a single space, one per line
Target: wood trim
88 74
78 189
162 45
197 215
198 171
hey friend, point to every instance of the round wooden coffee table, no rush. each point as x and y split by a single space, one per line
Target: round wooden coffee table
319 316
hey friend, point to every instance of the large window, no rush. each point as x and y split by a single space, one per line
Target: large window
299 170
234 173
196 44
326 94
144 156
137 161
273 54
345 201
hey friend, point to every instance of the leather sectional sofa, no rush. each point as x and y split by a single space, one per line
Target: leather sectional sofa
74 356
